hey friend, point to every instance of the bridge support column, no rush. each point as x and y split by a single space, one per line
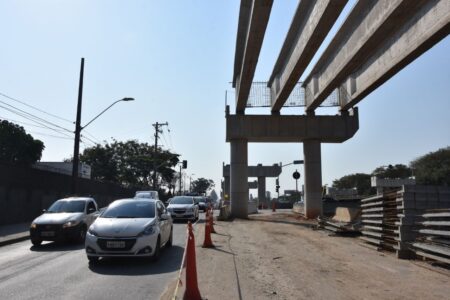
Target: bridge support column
226 188
313 178
239 178
261 190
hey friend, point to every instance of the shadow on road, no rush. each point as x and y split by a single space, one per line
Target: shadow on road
57 246
169 261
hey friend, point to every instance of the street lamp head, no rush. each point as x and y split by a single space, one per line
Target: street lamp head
128 99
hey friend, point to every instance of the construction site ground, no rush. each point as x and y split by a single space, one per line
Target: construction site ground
281 256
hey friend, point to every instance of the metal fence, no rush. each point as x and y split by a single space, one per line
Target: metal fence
260 96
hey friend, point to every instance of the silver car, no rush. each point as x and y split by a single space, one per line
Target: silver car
183 207
130 227
67 218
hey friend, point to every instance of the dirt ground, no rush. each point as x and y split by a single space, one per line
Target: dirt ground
280 256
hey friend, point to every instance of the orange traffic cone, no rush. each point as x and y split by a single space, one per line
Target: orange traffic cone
191 292
208 242
274 206
211 221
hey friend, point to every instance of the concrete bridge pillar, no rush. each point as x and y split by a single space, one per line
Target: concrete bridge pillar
261 190
226 188
313 178
239 178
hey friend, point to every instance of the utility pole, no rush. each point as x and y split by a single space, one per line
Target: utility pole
157 132
76 148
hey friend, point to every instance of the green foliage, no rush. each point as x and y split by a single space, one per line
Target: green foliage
433 168
16 146
202 185
359 180
396 171
129 163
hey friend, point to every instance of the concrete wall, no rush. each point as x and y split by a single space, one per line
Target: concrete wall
24 192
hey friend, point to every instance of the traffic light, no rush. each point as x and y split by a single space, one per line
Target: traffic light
277 188
184 164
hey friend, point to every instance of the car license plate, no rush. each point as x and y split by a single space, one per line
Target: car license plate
47 233
115 244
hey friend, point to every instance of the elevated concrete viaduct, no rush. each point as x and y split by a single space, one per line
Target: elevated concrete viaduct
377 39
259 171
310 130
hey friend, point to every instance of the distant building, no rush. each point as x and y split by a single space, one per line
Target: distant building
84 170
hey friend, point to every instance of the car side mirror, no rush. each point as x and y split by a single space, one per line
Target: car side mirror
164 217
91 210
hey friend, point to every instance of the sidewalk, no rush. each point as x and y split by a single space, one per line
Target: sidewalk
280 256
14 233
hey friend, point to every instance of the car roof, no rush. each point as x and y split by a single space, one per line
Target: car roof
136 199
76 199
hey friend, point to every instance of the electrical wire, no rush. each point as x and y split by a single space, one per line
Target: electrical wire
21 122
35 108
33 117
51 135
30 119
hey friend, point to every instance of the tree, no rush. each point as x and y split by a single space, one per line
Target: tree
359 180
129 163
433 168
396 171
16 146
202 185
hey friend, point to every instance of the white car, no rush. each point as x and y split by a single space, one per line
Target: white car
183 207
130 227
67 218
147 195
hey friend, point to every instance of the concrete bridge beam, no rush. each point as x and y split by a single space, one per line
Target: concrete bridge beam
309 27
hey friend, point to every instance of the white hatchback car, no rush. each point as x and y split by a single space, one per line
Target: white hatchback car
130 227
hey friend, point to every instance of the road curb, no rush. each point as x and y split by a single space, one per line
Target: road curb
14 240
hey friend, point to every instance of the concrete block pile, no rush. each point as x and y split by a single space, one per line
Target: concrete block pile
397 221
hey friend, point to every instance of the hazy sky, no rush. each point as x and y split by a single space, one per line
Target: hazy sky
176 59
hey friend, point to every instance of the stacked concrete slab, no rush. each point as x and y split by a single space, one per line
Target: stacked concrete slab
379 218
397 220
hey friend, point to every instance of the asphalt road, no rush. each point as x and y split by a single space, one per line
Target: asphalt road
62 271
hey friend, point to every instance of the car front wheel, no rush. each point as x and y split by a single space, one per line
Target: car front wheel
36 242
92 259
169 242
82 234
155 256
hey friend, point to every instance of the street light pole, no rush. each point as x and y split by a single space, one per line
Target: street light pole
76 147
78 128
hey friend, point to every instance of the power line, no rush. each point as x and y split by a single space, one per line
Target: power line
34 117
50 135
21 122
35 108
24 115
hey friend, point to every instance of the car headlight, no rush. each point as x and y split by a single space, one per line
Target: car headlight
148 231
71 224
170 209
33 225
91 231
191 209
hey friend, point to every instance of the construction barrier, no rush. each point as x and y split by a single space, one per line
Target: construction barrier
189 262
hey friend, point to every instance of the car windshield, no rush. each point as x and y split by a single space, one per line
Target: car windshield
143 195
198 200
182 200
62 206
130 209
